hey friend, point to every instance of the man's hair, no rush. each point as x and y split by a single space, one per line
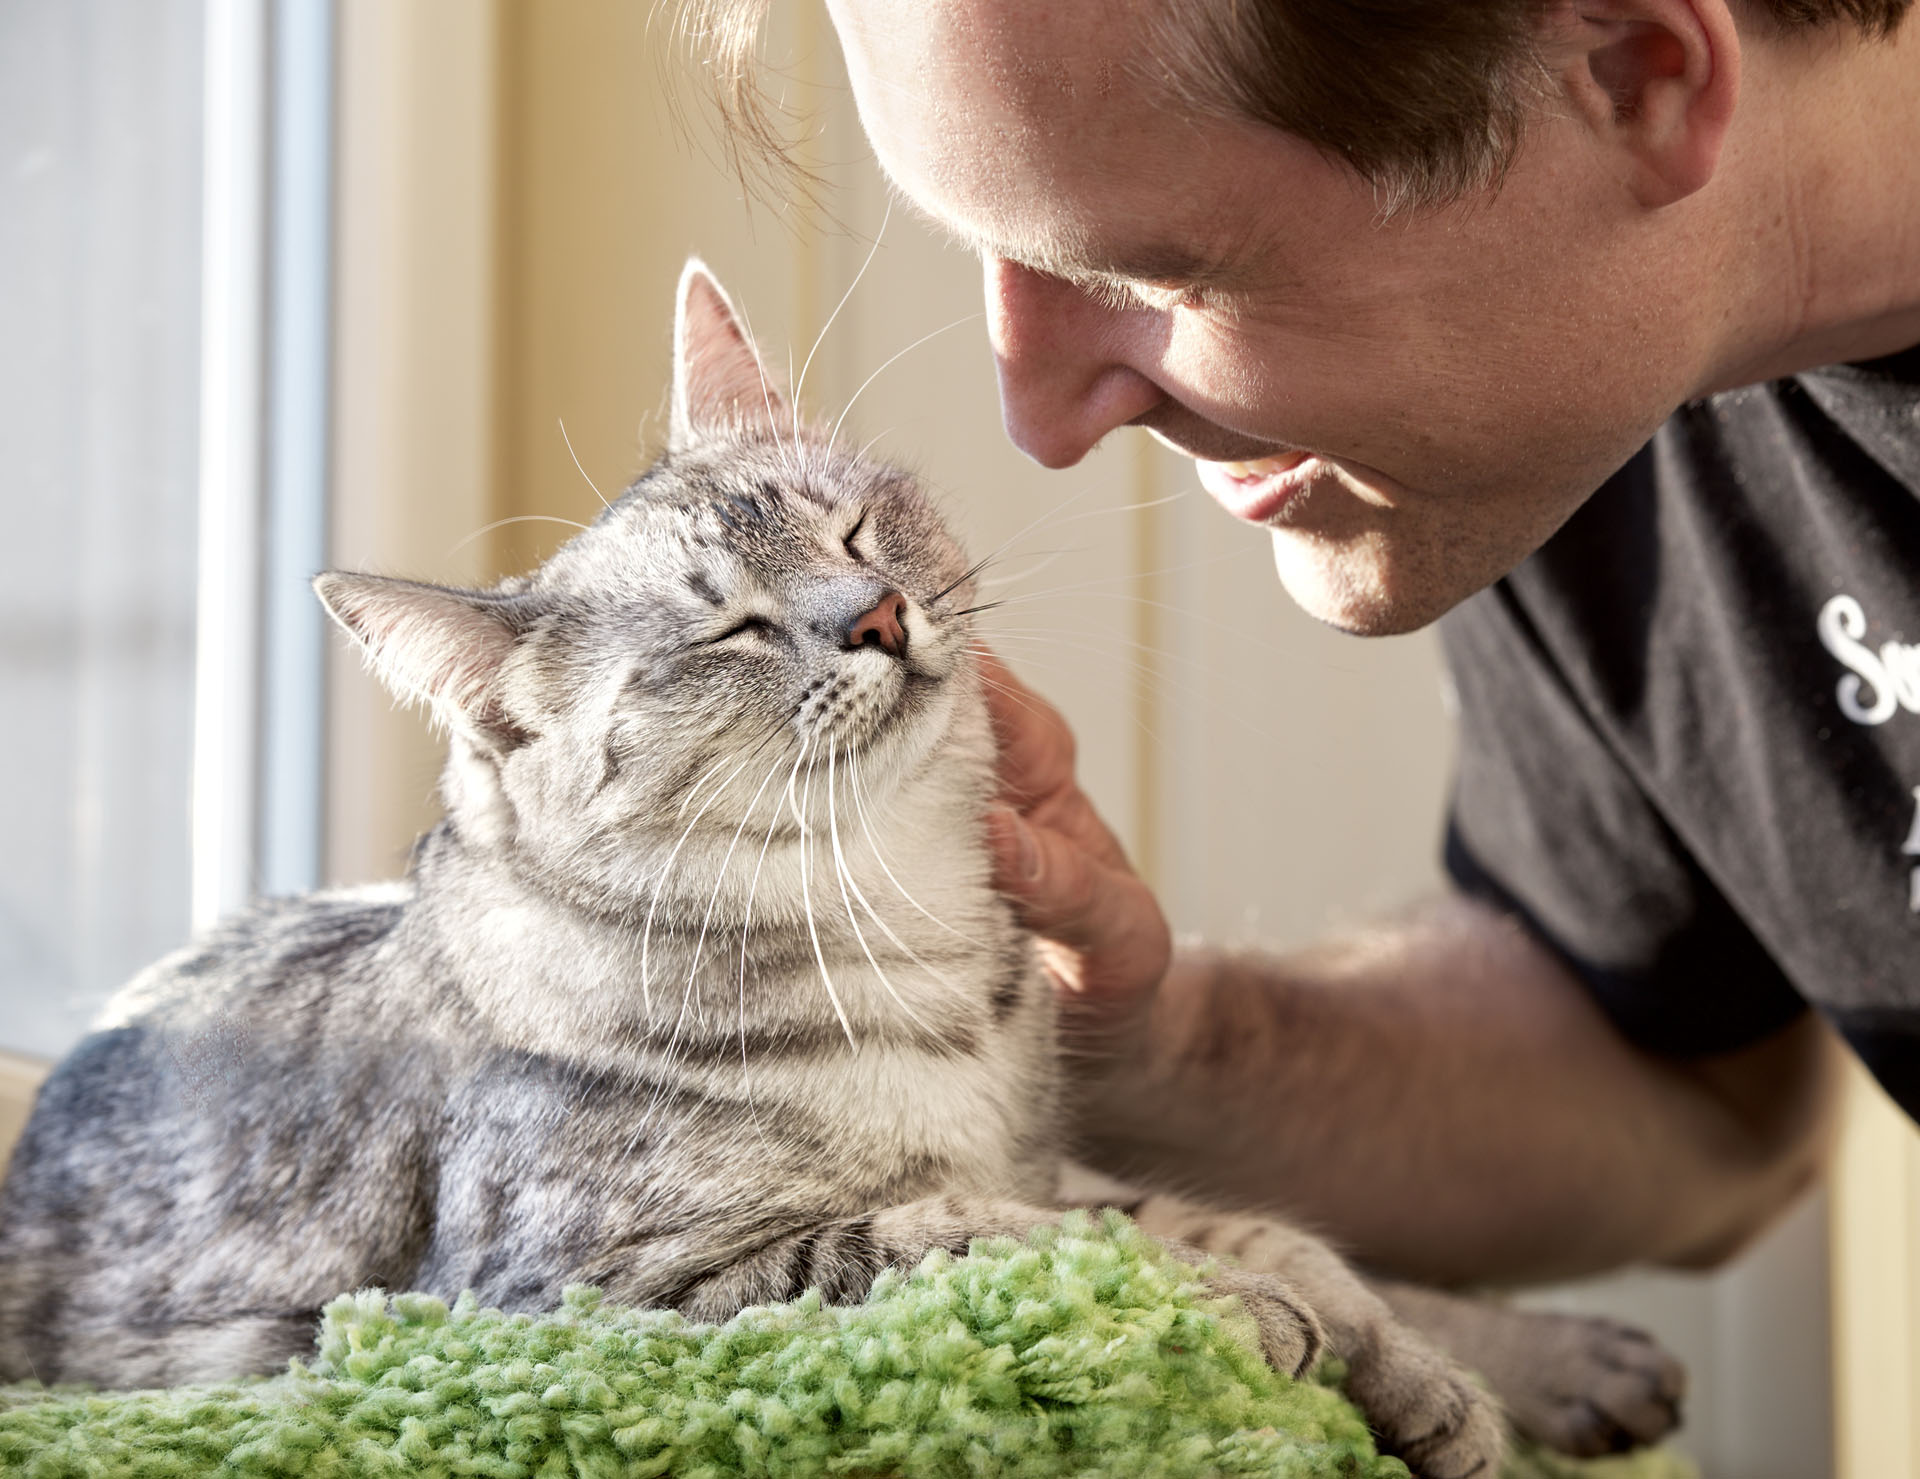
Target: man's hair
1426 100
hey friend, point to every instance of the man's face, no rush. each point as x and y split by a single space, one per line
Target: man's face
1411 406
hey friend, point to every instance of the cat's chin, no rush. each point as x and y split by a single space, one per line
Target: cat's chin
865 706
897 736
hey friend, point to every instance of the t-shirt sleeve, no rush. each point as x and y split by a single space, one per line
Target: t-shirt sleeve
1548 823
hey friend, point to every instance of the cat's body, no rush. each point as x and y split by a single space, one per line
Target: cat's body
444 1088
701 993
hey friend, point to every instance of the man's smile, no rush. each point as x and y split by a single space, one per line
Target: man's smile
1263 490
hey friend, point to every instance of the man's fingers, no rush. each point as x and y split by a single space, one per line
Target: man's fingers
1069 813
1036 746
1117 941
1016 852
1101 929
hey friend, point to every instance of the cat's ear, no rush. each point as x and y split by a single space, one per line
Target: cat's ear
430 645
719 382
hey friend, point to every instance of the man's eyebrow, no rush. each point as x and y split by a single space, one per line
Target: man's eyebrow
1157 262
1148 262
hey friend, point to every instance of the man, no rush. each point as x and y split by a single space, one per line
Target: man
1411 289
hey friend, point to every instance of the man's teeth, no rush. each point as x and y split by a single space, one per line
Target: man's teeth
1265 467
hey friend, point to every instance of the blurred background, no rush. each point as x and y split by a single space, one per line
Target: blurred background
387 284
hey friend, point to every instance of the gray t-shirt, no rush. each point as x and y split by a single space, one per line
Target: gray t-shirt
1690 750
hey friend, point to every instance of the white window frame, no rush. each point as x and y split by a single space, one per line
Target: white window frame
264 408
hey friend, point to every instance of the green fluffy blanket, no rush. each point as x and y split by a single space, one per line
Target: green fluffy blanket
1083 1350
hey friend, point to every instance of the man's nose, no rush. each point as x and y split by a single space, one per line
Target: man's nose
1065 381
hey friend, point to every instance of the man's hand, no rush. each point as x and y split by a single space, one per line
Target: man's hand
1101 930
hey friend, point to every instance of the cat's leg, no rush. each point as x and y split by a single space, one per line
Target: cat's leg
841 1259
1583 1386
119 1352
1425 1408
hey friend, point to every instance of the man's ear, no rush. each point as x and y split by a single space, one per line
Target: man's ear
430 645
1657 81
719 382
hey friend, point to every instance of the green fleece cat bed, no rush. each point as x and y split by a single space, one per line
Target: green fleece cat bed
1084 1350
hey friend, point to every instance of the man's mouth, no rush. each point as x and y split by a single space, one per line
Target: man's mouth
1259 491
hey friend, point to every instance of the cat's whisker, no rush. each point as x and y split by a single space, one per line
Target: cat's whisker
1128 508
720 876
1054 517
746 927
701 780
486 529
880 857
660 883
766 390
983 563
693 971
1149 657
1131 577
845 877
1238 632
820 338
753 889
813 931
1015 695
1155 669
849 881
1152 670
1050 558
1139 721
774 730
1157 660
1012 539
576 463
793 447
793 805
833 437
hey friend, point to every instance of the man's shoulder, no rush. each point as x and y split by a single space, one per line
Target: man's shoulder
1776 489
1701 700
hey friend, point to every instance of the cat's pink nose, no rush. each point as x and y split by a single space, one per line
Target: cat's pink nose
883 626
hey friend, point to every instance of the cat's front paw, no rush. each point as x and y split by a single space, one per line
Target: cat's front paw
1592 1386
1450 1430
1424 1408
1290 1336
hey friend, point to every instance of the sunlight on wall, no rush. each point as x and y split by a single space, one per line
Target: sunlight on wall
1876 1266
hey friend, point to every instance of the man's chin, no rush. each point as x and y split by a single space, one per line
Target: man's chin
1356 590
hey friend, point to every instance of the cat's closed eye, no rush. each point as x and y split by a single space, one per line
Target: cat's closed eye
851 541
755 626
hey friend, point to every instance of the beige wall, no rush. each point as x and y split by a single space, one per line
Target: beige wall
1876 1274
415 349
598 208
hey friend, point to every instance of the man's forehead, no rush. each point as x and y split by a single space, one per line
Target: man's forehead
1017 128
1022 73
1026 58
1020 54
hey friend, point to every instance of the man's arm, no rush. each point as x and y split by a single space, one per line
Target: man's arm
1443 1099
1440 1096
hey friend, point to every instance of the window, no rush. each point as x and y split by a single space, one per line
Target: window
100 108
163 283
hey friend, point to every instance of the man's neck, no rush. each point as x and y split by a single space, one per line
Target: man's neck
1825 195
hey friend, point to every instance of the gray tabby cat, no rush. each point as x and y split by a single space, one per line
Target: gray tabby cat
699 993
